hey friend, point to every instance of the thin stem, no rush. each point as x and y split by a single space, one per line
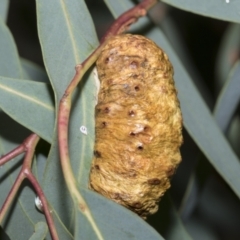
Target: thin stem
43 199
17 151
29 146
129 17
11 195
119 26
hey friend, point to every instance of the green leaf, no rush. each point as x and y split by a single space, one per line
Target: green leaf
64 47
228 99
23 215
40 233
234 134
176 228
9 62
79 41
113 220
32 71
4 4
199 122
227 55
224 10
67 37
17 222
30 104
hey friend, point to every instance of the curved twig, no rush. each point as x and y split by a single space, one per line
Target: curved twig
28 146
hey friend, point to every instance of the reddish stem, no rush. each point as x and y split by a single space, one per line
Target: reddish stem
11 195
128 17
17 151
27 146
44 202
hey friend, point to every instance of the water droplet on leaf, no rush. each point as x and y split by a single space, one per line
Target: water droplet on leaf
38 204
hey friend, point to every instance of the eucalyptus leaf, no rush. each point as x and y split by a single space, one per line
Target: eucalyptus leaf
67 37
17 223
177 229
4 4
73 18
225 9
190 198
40 233
234 134
23 215
199 122
227 55
9 61
29 103
64 47
228 99
113 220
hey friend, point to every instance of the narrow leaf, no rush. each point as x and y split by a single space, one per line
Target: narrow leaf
80 40
227 55
17 220
4 4
64 47
114 221
40 233
224 10
9 62
228 99
199 122
23 215
30 104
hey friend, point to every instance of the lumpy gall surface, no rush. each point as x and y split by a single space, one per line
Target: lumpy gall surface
138 124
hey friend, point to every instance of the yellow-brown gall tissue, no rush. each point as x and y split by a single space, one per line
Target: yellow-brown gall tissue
138 124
